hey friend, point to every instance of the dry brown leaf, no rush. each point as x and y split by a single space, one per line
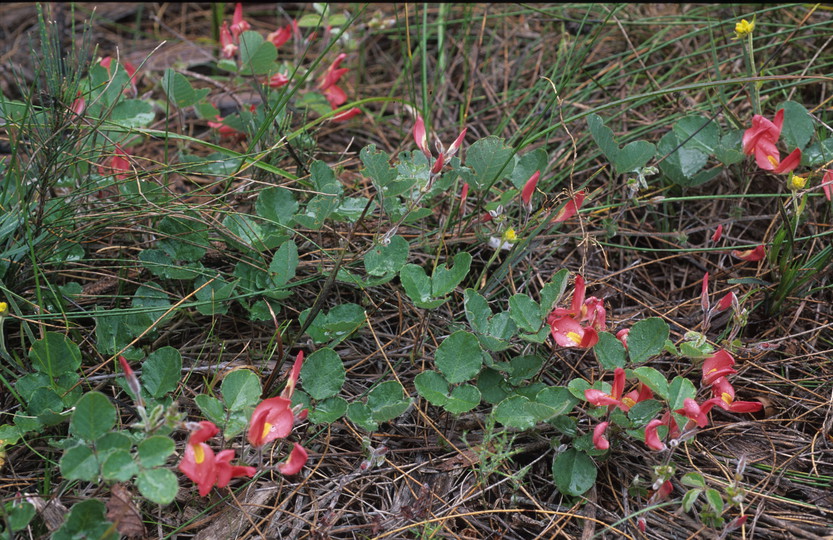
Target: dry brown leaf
122 511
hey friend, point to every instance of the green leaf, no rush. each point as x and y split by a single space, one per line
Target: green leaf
680 389
161 371
463 399
276 204
417 286
86 520
112 441
515 412
237 423
798 125
653 379
153 302
729 152
603 136
634 156
386 401
20 514
119 466
382 259
183 239
704 133
211 407
609 351
323 373
524 367
154 451
158 485
377 166
526 165
283 265
647 338
55 354
574 472
159 263
240 389
257 56
328 410
433 387
681 164
179 89
360 414
490 160
558 398
577 387
526 312
459 357
715 500
132 113
9 435
552 292
493 388
694 480
79 463
690 498
215 295
94 416
445 279
644 411
336 325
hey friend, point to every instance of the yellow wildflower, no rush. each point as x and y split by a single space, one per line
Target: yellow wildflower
797 182
509 235
744 28
4 307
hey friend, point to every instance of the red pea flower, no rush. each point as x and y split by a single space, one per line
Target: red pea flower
198 463
622 335
651 436
716 366
718 232
227 44
760 140
346 115
827 184
238 25
599 440
529 189
297 458
132 379
728 300
464 193
567 332
277 80
421 137
724 397
750 255
226 471
79 105
599 398
107 61
273 418
117 165
696 412
570 209
335 95
280 36
704 294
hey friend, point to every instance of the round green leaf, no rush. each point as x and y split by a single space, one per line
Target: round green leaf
558 398
161 371
55 354
459 357
323 373
433 387
386 402
154 451
798 126
87 519
360 414
515 412
119 466
609 351
79 463
574 472
328 410
647 338
158 485
463 399
112 441
241 389
653 379
211 407
94 416
20 514
387 259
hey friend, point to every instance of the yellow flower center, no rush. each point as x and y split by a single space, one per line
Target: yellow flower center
628 402
199 453
575 338
267 427
4 307
772 160
509 235
727 398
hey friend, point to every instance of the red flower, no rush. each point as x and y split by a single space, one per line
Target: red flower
238 25
132 379
529 189
79 105
622 335
273 418
827 184
227 42
464 193
718 232
226 471
567 332
277 80
223 129
346 115
297 458
281 35
750 255
589 311
724 397
117 165
421 137
599 440
570 209
704 294
651 436
107 61
728 300
760 140
696 412
198 463
717 365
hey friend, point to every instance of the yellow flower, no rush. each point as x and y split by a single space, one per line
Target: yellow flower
4 307
509 235
744 28
797 182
